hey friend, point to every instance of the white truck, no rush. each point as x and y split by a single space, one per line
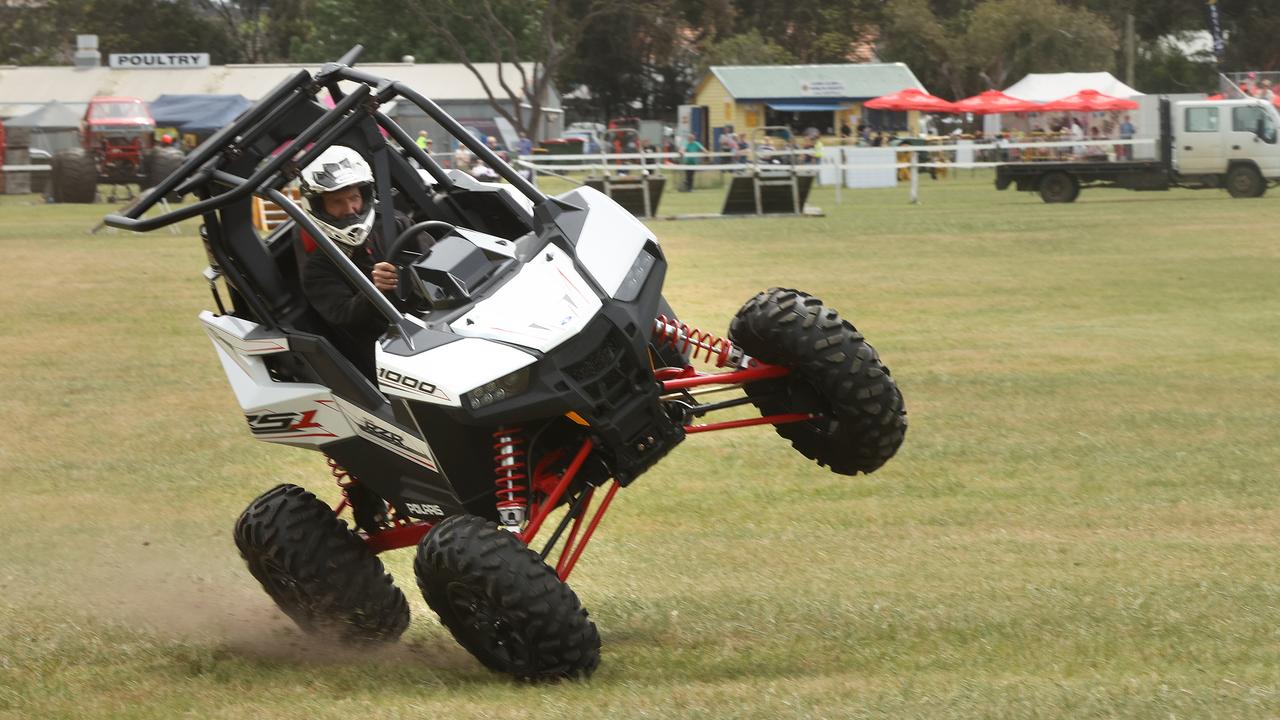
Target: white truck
1202 144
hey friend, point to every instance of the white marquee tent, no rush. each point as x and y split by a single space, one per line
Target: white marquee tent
1043 87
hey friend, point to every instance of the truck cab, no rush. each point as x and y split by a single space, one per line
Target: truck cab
1230 143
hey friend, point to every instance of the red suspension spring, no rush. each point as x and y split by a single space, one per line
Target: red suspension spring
510 476
340 474
344 480
683 338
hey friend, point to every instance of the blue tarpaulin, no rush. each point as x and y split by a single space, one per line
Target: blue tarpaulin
197 114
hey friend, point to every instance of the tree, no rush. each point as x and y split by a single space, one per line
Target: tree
261 30
814 31
527 41
1165 66
994 42
649 69
748 48
1008 38
44 34
1253 34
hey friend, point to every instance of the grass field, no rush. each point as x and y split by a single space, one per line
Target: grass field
1082 522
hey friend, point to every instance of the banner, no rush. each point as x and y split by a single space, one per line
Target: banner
1215 29
165 61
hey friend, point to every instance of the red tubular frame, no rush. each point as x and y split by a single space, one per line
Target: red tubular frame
670 380
759 371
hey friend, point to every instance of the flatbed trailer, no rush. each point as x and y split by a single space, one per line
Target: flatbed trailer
1061 181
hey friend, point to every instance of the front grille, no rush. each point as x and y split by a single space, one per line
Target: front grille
608 375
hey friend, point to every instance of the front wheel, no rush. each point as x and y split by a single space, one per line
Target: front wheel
859 418
502 603
1244 181
75 176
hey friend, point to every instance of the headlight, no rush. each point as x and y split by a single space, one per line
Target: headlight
497 390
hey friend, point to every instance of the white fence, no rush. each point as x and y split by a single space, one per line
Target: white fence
841 165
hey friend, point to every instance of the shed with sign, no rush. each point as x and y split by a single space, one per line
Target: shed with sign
825 97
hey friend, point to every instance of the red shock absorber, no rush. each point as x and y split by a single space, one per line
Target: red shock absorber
683 338
344 480
511 477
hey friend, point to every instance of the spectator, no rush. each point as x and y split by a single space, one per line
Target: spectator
1125 152
525 145
729 141
1095 152
462 158
690 147
1077 134
424 141
492 143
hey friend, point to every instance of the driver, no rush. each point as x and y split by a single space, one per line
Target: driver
338 189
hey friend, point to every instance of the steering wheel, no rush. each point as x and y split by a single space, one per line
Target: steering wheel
437 228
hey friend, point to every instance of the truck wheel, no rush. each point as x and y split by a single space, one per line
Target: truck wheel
1059 187
319 572
835 375
1244 181
162 161
502 603
75 176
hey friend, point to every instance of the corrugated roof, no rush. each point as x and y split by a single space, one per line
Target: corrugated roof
856 81
441 82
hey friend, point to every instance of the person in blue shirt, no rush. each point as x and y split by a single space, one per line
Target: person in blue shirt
1126 133
692 146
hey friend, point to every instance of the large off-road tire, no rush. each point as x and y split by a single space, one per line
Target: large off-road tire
1059 187
318 571
1244 181
835 374
160 163
75 176
503 604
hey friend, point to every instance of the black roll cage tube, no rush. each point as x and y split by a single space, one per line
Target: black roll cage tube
202 166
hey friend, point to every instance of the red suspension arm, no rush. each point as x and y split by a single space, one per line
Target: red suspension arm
586 537
550 503
751 374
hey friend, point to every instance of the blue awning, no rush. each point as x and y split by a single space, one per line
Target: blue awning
806 107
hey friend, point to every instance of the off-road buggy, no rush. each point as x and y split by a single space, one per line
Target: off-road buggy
542 371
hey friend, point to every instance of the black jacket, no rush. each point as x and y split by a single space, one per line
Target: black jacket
356 324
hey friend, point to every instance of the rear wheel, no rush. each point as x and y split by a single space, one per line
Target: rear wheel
319 572
1059 187
1244 181
835 375
502 603
75 176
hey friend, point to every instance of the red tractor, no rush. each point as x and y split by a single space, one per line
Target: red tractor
118 147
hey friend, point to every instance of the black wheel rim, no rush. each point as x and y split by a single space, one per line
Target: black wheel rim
282 585
1056 187
490 631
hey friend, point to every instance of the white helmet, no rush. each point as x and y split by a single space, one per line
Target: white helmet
336 168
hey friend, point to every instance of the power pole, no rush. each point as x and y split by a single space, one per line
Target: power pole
1130 51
